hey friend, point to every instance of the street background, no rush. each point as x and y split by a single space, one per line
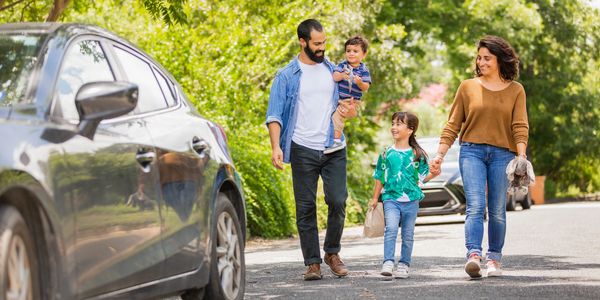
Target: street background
552 251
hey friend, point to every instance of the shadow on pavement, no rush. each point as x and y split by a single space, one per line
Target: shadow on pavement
526 276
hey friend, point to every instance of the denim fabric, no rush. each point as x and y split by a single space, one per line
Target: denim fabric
307 166
282 104
405 215
484 165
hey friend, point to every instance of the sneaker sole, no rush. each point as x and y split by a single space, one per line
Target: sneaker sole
401 276
473 269
386 273
494 273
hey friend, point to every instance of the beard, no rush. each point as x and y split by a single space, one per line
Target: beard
313 55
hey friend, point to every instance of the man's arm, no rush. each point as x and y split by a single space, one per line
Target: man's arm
276 153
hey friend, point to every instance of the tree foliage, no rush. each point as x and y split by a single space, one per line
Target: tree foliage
226 53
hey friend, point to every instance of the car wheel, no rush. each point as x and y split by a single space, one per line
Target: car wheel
18 263
526 203
228 270
511 202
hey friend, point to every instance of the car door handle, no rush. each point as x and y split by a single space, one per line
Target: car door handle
200 146
145 159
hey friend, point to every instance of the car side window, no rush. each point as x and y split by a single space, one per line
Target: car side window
167 88
84 62
140 72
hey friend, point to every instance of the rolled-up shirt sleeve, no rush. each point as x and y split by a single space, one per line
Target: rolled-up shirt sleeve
276 100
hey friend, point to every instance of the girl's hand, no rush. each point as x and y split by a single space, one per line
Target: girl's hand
374 202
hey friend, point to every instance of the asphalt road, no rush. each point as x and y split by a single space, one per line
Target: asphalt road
551 252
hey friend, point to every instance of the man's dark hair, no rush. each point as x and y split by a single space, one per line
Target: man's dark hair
358 40
508 60
306 27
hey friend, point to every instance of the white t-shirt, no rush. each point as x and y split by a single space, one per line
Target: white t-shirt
314 106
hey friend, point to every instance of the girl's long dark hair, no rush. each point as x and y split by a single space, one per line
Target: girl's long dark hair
412 122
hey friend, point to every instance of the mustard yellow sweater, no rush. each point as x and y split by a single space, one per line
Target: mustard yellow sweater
483 116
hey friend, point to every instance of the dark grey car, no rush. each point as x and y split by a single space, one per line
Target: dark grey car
111 184
444 194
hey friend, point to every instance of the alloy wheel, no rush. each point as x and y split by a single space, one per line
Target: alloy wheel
228 255
19 284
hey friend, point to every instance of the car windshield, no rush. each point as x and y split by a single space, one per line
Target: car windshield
18 55
430 146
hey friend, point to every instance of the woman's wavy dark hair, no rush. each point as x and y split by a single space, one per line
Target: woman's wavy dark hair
412 122
508 60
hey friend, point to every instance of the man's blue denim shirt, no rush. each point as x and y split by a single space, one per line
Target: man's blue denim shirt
282 104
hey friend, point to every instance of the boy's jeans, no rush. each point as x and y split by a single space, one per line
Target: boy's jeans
405 215
482 164
307 166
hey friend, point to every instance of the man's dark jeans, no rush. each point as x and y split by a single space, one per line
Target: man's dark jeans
307 166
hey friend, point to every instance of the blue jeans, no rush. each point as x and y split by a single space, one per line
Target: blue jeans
405 215
484 165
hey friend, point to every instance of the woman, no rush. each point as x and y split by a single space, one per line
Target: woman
490 115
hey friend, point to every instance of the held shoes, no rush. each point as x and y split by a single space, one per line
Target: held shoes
337 145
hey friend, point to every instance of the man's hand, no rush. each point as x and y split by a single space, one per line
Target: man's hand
277 158
347 108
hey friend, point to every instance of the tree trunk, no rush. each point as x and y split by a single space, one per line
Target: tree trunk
57 10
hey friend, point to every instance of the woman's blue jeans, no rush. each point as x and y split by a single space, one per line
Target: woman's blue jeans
403 214
484 165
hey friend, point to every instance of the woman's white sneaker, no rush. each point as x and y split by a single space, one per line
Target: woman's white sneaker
473 266
493 268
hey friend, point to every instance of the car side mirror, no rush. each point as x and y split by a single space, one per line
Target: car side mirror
97 101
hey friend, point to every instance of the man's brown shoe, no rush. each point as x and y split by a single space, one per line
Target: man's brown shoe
313 272
336 264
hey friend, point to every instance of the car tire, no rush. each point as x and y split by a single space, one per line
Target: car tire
18 260
511 203
526 203
227 267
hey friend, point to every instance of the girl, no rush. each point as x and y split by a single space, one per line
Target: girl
400 169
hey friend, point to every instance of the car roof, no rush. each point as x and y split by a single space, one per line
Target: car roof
67 30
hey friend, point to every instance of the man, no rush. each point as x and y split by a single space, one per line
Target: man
303 98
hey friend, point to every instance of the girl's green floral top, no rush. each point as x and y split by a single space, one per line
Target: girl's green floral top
400 175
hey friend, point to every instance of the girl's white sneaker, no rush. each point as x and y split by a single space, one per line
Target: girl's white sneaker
401 271
387 268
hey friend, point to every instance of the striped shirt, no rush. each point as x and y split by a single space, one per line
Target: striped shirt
343 87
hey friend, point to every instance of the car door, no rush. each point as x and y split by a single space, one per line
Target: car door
183 142
111 181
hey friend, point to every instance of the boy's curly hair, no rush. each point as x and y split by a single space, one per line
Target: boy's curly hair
358 40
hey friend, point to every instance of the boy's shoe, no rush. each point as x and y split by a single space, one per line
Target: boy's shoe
493 268
313 272
337 145
387 268
401 271
473 266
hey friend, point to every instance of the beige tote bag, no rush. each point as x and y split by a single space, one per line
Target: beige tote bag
374 221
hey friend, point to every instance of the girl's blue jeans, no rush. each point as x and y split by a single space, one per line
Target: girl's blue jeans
484 165
403 214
